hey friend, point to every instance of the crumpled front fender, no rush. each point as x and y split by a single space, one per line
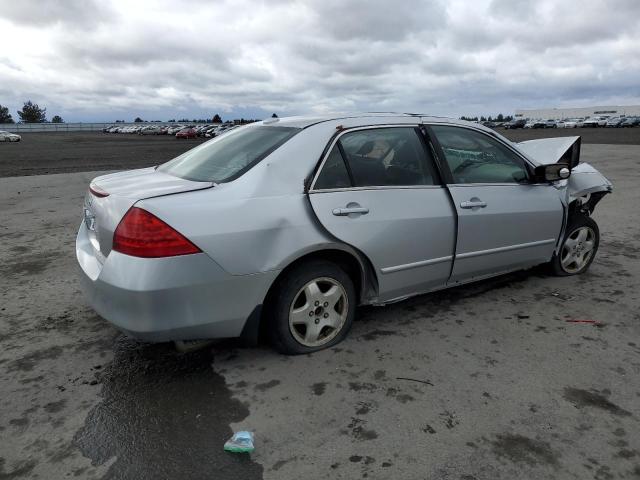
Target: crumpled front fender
585 180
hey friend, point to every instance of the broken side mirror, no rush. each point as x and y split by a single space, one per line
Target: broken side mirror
553 172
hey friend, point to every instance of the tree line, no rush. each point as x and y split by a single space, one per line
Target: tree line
30 113
499 118
33 113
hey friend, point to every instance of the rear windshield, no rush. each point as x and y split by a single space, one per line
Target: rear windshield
227 157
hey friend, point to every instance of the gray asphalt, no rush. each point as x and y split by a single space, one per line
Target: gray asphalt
487 381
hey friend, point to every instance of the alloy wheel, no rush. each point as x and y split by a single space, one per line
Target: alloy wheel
578 249
318 312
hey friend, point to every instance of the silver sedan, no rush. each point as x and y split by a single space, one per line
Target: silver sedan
284 226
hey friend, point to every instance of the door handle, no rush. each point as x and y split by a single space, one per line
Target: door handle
473 204
341 212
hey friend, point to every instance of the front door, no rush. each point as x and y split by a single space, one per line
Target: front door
378 191
505 221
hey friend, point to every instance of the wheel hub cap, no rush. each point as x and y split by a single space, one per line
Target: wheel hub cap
318 312
577 249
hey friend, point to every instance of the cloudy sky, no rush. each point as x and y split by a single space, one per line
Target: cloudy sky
104 60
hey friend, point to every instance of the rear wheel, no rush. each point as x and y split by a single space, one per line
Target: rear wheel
578 248
312 309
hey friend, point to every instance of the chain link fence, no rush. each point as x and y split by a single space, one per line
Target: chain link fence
63 127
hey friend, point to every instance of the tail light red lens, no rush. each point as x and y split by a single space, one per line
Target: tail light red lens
142 234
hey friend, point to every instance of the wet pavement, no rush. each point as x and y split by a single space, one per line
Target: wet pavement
163 415
488 381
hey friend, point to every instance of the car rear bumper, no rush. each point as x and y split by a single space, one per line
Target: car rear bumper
165 299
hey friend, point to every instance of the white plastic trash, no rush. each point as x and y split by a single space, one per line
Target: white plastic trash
240 442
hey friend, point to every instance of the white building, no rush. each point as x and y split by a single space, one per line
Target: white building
582 112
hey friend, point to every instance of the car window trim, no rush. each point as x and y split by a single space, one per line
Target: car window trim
377 187
528 167
429 162
439 159
347 167
336 138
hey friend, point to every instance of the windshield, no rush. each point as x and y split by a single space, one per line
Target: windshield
226 158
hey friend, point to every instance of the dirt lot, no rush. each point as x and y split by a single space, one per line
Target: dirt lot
43 153
610 136
487 381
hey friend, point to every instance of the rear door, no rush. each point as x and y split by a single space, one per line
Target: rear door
377 189
505 221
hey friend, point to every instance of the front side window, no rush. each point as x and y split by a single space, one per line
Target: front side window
474 157
227 157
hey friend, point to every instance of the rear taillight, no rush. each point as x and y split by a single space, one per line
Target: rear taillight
97 191
142 234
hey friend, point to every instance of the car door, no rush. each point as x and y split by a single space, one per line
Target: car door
378 190
505 220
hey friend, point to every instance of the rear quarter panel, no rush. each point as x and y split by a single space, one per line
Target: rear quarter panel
243 235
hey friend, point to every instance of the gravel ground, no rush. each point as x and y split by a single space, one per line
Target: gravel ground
610 136
486 381
43 153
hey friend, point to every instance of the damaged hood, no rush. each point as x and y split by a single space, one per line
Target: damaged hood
584 179
545 151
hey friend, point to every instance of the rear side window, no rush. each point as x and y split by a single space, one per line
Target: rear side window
386 157
377 157
227 157
334 172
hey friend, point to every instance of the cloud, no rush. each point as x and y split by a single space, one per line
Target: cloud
38 13
93 60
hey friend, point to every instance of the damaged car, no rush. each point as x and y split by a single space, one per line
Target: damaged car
283 227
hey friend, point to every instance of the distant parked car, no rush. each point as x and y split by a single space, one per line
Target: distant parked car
630 122
614 122
209 132
595 122
539 124
9 137
187 133
175 129
567 123
150 130
520 123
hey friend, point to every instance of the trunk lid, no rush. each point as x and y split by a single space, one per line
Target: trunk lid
146 183
102 214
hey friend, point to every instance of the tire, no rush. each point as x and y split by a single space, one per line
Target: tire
579 247
298 306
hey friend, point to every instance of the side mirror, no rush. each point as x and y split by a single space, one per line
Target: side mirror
553 172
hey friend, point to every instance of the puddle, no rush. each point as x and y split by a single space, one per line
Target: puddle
163 415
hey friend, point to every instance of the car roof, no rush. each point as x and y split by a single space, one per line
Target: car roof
367 118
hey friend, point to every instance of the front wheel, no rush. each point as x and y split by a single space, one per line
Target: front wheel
312 309
578 248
